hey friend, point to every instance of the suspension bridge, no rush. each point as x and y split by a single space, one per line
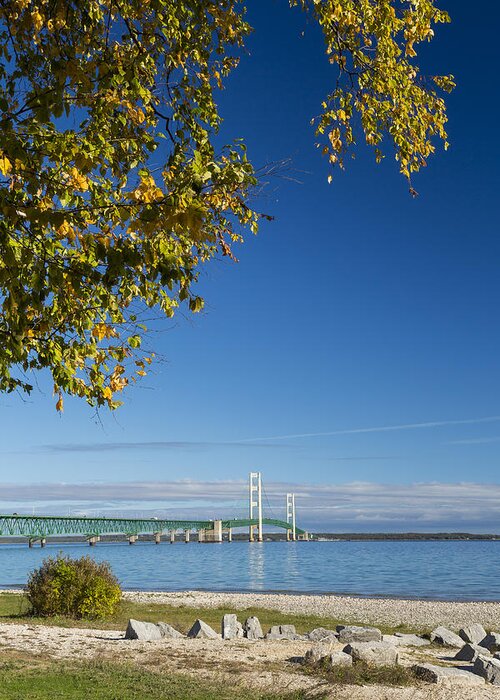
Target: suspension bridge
37 528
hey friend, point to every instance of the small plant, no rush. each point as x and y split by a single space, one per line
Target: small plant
73 587
361 673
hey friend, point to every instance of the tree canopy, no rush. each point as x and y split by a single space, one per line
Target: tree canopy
112 192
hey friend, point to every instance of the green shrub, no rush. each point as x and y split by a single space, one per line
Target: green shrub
73 587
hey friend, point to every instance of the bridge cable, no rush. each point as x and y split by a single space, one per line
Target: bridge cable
272 513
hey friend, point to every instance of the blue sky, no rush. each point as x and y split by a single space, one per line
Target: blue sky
357 308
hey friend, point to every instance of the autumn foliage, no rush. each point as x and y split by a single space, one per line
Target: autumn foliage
112 192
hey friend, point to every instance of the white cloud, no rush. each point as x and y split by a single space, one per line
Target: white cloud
381 429
327 507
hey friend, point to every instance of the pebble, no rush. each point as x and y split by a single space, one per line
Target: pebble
419 614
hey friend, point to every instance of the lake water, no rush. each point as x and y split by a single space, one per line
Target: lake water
466 570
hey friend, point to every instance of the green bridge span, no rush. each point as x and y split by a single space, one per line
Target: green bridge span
38 527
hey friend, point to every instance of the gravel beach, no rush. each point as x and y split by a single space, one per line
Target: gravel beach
384 611
422 614
265 664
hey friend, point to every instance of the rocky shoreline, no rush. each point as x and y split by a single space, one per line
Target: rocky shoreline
393 612
445 666
477 660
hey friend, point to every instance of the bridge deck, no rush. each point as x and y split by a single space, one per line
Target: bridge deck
41 526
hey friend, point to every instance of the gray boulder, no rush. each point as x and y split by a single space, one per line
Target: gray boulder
353 633
339 658
318 652
252 628
200 630
274 632
375 653
405 640
411 640
442 675
144 631
229 627
491 641
240 632
470 652
283 632
320 633
442 635
473 634
168 631
488 668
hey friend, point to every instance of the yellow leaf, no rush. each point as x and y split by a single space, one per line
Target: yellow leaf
107 393
65 230
78 180
5 165
99 331
37 20
60 404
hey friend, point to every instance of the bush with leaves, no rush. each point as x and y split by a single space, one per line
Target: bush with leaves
73 587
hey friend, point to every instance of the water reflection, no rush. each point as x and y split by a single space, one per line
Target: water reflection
256 565
290 563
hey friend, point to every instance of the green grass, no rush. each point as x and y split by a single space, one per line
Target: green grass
23 680
13 608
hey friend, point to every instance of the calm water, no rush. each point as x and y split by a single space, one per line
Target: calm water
448 570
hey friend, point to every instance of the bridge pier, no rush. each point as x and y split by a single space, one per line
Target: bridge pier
214 534
251 536
186 536
43 542
157 537
132 539
172 536
227 531
93 539
201 535
217 531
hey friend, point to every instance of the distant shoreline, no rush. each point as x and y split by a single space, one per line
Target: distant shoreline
406 536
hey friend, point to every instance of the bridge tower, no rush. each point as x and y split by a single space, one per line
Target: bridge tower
290 515
255 492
